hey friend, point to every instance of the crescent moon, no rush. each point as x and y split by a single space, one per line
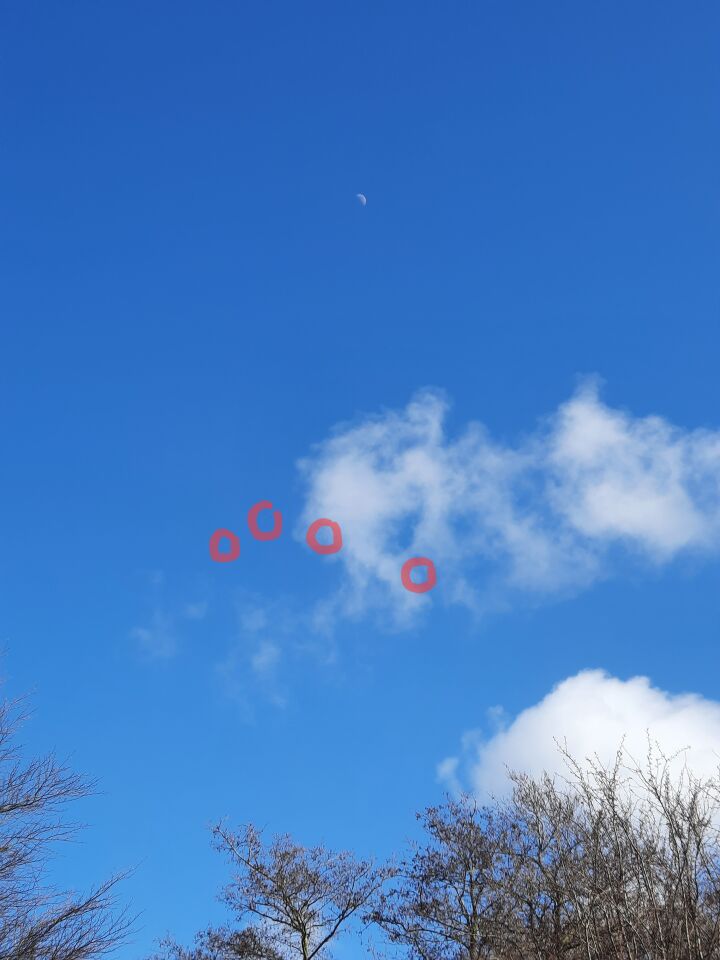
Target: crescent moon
362 198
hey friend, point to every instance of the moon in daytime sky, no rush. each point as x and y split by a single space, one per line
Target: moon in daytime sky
362 198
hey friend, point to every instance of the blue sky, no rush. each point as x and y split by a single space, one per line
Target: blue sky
195 304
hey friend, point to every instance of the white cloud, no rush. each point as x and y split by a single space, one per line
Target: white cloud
540 516
253 619
157 640
252 667
195 611
247 676
160 637
266 657
591 713
640 480
232 675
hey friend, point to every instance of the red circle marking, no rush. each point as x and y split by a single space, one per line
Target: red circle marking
325 548
409 566
232 554
253 522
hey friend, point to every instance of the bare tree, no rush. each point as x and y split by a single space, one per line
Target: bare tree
617 861
448 902
546 859
222 943
297 900
607 862
303 897
38 922
652 858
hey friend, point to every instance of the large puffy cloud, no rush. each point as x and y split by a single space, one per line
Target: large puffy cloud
590 714
540 516
639 480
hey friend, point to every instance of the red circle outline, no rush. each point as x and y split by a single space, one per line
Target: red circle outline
324 548
253 522
232 554
410 565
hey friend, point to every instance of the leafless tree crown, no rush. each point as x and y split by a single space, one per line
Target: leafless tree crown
608 862
296 900
36 921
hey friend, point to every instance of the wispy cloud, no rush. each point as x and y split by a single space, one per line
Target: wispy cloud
253 618
248 676
250 671
265 658
543 516
591 714
159 636
157 640
195 611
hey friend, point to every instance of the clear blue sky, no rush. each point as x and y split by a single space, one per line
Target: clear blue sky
192 297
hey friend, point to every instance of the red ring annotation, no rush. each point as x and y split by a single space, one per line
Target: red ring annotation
227 556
